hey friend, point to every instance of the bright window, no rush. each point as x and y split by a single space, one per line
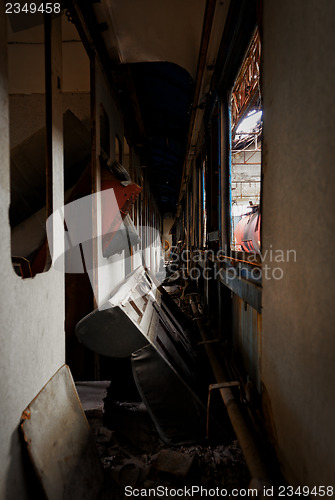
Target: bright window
246 150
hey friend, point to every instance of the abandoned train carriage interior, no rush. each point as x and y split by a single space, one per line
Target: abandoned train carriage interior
167 213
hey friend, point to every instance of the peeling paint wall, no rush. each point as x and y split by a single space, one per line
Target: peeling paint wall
298 210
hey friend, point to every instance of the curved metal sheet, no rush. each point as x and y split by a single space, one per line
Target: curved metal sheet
110 332
59 442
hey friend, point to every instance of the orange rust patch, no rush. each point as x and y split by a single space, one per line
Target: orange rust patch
26 415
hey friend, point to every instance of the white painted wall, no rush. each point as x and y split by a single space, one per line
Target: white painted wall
298 213
111 271
32 314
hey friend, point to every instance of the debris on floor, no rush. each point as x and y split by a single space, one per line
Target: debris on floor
147 462
174 462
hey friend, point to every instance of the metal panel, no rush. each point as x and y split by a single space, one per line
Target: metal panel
238 281
247 330
121 326
248 291
125 322
59 442
139 313
110 332
176 411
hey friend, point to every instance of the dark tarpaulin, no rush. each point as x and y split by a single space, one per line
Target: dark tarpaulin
176 411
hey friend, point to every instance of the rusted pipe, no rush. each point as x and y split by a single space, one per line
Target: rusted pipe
257 469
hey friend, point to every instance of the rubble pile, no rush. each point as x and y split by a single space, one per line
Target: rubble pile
133 455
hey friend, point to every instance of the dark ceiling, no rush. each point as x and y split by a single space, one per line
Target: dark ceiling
164 92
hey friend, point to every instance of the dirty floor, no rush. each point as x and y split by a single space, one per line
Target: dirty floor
133 455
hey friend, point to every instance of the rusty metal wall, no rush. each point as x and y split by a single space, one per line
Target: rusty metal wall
247 335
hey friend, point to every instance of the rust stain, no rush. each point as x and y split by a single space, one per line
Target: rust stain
26 415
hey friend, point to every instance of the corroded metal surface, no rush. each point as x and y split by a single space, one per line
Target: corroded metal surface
247 333
59 442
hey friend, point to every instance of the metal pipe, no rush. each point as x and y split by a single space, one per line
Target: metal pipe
196 111
257 469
